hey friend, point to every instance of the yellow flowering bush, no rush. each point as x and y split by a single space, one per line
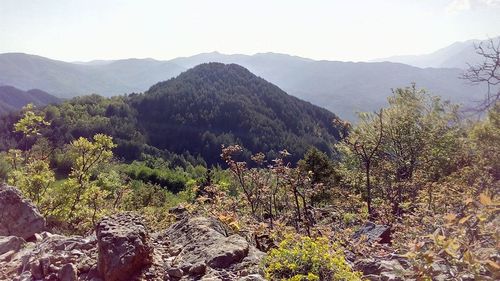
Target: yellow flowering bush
304 258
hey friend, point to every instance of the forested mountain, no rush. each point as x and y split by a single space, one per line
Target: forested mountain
13 99
214 104
193 115
341 87
347 87
456 55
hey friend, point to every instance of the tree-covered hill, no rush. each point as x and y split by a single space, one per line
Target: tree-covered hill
13 99
193 115
214 104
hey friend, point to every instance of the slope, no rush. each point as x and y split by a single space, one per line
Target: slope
214 104
341 87
13 99
456 55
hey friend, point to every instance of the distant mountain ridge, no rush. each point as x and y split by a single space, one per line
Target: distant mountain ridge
341 87
456 55
13 99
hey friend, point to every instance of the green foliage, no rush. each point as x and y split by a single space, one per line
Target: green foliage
31 123
90 191
188 118
305 258
169 179
485 138
33 179
416 139
4 167
215 104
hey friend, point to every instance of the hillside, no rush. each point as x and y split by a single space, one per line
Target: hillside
214 104
13 99
67 80
341 87
456 55
347 87
194 114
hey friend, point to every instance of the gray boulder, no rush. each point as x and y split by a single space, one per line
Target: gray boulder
123 246
55 256
18 216
10 243
205 241
374 233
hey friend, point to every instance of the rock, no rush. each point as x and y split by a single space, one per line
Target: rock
46 258
25 276
227 252
374 233
175 272
382 268
18 216
10 243
36 270
210 249
68 273
198 269
123 246
253 277
178 212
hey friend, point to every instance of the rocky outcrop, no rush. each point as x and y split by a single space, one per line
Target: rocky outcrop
389 267
18 216
54 257
374 233
123 246
10 243
121 249
202 247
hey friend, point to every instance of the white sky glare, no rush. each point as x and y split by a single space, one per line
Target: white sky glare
355 30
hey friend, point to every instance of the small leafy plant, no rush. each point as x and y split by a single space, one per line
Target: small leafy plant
304 258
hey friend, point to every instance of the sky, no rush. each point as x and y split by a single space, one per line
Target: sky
349 30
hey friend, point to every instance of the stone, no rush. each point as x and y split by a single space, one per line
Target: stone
36 270
227 252
178 212
25 276
374 233
10 243
68 273
213 252
175 272
18 216
252 277
198 269
123 247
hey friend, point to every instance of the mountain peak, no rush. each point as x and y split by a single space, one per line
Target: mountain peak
215 103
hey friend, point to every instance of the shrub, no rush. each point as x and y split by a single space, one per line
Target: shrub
308 259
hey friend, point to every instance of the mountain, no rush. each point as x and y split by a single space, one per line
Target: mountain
347 87
341 87
66 80
193 115
213 104
13 99
456 55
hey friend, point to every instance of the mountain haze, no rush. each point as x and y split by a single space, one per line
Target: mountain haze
13 99
456 55
341 87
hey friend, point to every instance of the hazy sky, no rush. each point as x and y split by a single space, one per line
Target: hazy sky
336 30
